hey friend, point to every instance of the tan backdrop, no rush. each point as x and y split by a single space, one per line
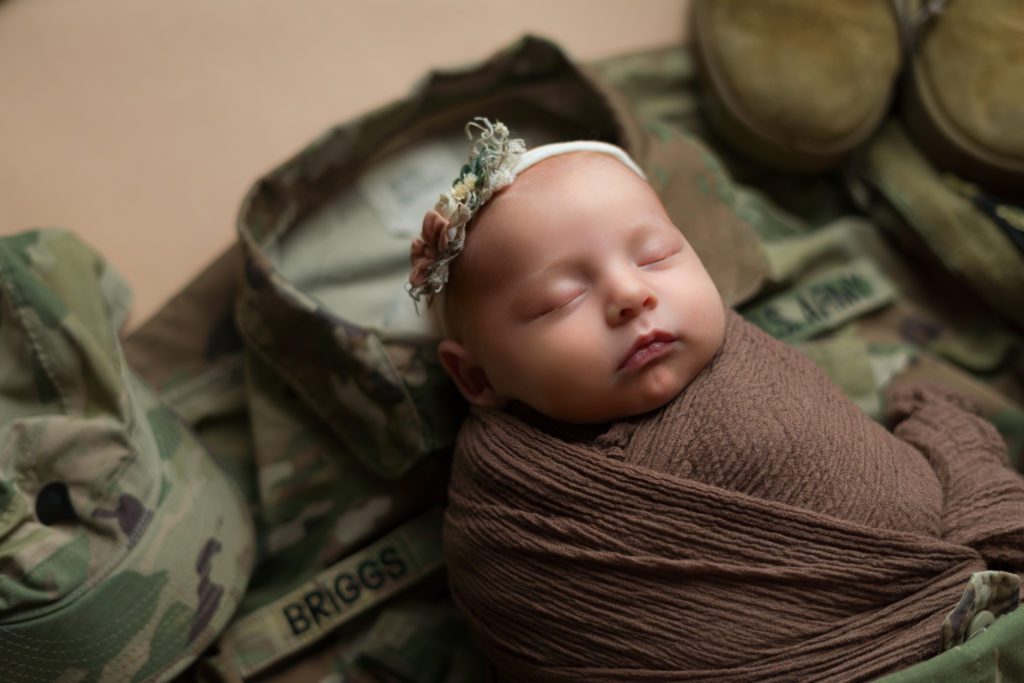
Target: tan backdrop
141 124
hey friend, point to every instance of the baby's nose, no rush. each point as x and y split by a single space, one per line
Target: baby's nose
629 302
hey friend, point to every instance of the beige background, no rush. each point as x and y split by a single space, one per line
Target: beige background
141 124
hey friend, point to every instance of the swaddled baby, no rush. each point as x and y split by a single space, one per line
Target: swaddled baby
650 488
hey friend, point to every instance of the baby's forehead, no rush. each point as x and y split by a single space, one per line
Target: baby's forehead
555 206
557 185
497 248
567 168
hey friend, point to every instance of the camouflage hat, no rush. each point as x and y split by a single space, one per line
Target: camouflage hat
123 548
325 240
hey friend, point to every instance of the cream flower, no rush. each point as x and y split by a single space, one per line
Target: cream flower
447 205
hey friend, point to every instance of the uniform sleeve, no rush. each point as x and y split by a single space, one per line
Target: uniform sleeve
983 495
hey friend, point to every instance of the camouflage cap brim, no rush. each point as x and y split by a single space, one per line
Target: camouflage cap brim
124 550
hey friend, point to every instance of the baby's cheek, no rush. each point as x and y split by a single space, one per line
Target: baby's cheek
584 354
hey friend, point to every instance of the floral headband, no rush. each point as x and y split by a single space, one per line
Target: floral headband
494 162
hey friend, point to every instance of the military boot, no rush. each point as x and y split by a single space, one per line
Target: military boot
796 84
963 98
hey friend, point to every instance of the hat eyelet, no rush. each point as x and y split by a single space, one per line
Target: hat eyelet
53 504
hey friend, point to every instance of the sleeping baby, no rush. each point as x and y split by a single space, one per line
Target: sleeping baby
650 488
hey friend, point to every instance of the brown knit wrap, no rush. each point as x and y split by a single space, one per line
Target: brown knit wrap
758 527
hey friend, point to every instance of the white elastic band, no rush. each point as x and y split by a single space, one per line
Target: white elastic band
538 154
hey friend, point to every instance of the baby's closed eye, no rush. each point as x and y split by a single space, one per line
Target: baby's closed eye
558 299
657 255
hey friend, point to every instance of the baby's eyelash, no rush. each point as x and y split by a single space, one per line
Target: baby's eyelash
561 305
659 258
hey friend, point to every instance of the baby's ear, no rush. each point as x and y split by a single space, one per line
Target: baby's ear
469 377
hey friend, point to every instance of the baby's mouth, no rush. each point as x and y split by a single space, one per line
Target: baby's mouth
646 348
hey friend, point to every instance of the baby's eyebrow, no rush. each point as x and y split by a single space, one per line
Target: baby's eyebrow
649 228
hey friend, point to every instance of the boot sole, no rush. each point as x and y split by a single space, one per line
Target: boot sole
741 130
949 147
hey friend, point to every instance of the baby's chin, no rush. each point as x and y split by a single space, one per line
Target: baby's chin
655 389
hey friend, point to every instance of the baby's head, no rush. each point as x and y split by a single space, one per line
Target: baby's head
574 293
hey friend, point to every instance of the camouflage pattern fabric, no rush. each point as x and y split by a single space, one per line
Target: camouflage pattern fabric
989 594
970 236
292 362
994 654
124 550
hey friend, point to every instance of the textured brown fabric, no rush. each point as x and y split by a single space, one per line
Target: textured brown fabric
758 527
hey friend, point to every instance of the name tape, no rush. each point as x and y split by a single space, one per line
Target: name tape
336 595
823 303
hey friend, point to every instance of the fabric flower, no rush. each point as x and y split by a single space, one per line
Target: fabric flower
421 257
424 253
435 230
446 205
443 235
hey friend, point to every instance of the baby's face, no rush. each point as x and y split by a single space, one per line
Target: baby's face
578 296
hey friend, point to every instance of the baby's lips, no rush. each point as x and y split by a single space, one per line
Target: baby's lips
645 340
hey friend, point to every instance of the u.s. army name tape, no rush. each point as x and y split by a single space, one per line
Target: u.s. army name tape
336 595
824 302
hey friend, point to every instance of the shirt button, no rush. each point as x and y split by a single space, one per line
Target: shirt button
981 621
